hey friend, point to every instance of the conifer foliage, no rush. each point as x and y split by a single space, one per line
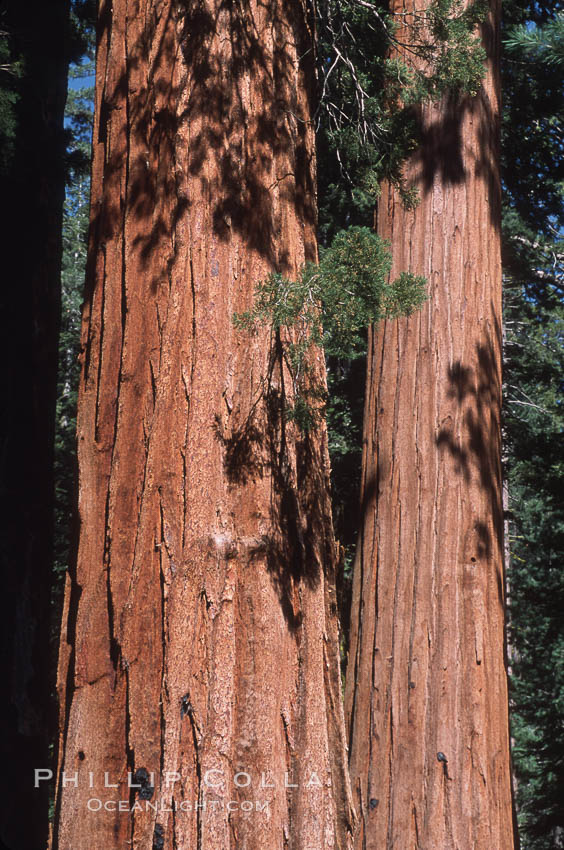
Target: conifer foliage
533 76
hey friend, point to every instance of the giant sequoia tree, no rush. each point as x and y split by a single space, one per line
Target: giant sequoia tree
199 648
426 684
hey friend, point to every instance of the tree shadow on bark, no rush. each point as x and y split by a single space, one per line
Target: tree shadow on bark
263 446
478 389
241 145
441 153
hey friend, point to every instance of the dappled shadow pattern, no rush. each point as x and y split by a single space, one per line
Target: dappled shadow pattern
234 136
481 451
440 149
243 457
441 152
265 444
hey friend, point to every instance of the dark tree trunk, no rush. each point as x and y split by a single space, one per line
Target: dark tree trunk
32 191
200 627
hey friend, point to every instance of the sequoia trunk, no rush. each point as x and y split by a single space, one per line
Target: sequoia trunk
426 698
199 659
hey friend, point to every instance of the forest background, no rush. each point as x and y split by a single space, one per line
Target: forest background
350 167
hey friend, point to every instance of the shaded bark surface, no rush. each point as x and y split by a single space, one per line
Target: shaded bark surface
200 630
426 698
32 193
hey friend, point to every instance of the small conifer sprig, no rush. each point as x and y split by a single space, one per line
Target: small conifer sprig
330 305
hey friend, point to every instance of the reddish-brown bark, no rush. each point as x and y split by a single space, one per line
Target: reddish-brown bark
200 627
426 671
